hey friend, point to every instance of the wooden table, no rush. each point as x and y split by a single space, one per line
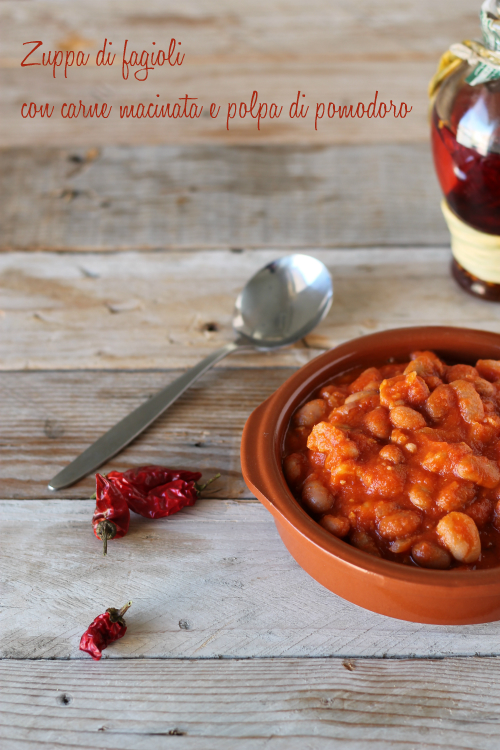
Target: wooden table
120 262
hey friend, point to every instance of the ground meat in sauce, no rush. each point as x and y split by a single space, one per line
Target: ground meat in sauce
402 461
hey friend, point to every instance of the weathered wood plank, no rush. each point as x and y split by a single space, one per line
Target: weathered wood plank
212 580
171 197
253 30
156 310
47 419
330 50
261 704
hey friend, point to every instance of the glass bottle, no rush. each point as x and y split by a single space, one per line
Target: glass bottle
465 127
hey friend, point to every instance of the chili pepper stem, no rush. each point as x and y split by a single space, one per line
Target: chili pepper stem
106 530
201 487
116 615
126 606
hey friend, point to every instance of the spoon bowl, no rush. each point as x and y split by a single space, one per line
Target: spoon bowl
283 302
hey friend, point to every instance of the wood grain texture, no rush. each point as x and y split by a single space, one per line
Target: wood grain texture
212 580
254 705
328 49
154 310
146 197
215 580
47 419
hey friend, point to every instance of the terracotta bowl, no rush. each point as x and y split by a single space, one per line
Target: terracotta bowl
427 596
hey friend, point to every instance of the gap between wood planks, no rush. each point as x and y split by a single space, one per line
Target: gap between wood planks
441 248
348 661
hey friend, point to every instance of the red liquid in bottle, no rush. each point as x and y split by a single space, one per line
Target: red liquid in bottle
469 180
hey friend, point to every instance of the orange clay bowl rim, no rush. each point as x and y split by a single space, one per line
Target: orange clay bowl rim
275 414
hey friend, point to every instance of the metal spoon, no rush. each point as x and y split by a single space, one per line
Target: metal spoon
282 303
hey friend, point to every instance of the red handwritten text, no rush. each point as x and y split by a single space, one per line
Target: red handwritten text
259 112
294 108
147 60
100 59
69 111
32 110
173 111
56 59
360 111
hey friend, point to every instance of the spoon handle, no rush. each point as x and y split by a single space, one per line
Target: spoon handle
113 441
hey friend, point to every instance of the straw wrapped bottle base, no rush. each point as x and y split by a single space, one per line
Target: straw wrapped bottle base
476 257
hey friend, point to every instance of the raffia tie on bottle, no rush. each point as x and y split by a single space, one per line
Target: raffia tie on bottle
485 58
486 62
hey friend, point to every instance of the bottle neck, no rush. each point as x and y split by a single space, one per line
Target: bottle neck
490 24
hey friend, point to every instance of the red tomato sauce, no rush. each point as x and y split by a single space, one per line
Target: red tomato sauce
402 461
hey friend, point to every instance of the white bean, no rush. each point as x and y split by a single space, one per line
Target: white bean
336 525
294 468
311 413
316 496
459 534
469 401
430 555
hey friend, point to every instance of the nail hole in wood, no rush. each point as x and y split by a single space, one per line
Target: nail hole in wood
64 699
210 327
69 195
53 429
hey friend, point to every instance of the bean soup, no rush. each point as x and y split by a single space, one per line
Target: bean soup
402 461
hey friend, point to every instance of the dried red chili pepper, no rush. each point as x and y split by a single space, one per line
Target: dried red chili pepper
157 492
105 629
112 515
145 478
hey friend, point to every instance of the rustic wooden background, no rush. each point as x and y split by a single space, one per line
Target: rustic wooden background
123 246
